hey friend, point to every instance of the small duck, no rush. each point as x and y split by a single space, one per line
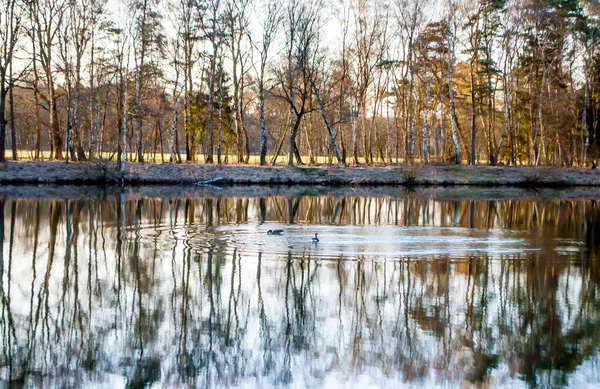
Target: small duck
315 239
274 232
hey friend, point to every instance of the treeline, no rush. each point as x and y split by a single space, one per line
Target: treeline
349 82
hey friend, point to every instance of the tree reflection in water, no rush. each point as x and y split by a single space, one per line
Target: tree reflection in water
131 291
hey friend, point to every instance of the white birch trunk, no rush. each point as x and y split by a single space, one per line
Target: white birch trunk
426 122
220 144
451 54
124 151
411 104
326 120
585 133
138 124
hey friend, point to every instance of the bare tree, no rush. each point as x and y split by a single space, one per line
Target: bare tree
82 17
294 79
237 22
411 18
119 65
318 75
509 55
427 80
11 30
213 32
178 68
72 43
188 18
343 69
473 13
453 20
368 36
146 31
270 24
47 19
95 18
66 68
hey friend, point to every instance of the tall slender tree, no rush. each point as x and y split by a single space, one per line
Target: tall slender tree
11 30
270 25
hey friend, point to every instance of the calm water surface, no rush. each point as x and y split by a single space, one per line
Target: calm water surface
402 290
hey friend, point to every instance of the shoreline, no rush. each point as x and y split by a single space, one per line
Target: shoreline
104 174
171 192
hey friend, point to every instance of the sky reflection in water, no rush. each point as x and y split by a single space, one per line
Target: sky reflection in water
401 291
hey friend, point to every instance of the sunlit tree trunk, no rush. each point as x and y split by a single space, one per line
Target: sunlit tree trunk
507 94
451 55
426 121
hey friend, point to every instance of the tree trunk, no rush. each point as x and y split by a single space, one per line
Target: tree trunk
76 120
120 111
3 93
294 151
366 136
237 117
70 150
411 113
541 117
329 127
425 122
452 107
263 126
38 121
388 144
355 115
211 108
54 124
138 114
93 116
220 144
507 94
173 125
124 145
473 116
13 135
585 132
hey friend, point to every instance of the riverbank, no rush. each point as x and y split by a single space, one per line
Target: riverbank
84 173
184 192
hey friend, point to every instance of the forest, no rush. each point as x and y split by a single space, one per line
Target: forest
301 81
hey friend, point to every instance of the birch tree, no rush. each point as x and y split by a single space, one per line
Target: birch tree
213 33
237 24
453 21
47 18
177 64
188 18
146 36
269 27
368 34
411 19
97 9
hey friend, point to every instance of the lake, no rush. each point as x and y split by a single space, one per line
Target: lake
183 287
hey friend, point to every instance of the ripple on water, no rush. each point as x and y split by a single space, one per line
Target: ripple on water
349 242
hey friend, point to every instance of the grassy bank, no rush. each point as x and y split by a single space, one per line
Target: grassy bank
168 174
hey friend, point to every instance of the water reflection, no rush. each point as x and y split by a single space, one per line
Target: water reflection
133 291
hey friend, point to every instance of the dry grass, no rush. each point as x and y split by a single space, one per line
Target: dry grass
170 173
29 156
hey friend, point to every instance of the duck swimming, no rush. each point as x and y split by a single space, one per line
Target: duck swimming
274 232
315 239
